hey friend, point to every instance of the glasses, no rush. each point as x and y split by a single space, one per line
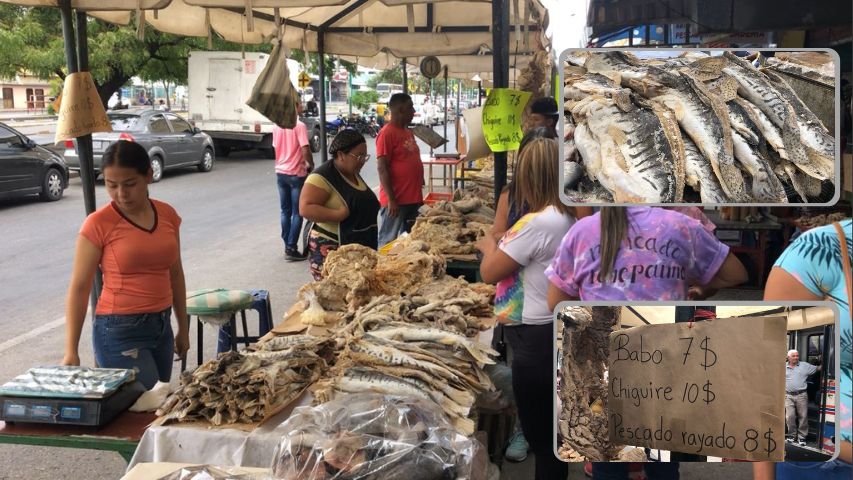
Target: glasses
360 158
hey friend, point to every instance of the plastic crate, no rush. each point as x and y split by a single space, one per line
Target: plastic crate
435 197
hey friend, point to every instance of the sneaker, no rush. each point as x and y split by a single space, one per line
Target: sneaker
294 255
517 449
801 443
790 440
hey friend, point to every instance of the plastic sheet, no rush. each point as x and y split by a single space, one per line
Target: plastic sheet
369 436
207 472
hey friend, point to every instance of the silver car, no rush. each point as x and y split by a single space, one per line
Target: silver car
170 140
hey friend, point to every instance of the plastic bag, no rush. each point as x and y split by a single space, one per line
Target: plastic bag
207 472
368 436
273 94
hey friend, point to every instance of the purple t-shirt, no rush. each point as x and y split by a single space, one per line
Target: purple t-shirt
663 254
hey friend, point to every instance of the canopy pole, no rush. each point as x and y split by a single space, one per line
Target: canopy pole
405 77
84 143
445 107
500 66
321 53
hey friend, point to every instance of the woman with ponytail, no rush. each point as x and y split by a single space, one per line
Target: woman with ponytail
516 263
640 253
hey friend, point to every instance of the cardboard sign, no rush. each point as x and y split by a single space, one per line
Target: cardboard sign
502 118
708 388
81 111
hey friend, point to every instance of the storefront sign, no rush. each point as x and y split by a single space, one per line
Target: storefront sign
502 118
708 388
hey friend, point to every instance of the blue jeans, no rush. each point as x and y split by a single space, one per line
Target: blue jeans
143 342
391 228
289 188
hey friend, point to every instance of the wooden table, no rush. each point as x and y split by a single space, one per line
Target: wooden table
761 229
121 435
449 167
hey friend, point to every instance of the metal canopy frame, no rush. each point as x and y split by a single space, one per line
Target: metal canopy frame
76 52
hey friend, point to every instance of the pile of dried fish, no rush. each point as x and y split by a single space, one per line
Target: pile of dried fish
371 436
453 228
411 360
582 425
462 315
814 221
692 128
246 387
354 274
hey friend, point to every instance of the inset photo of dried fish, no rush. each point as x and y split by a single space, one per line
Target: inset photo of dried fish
697 381
694 126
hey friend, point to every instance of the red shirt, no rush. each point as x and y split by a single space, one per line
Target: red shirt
401 151
135 261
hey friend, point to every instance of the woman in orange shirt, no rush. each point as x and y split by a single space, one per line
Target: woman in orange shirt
135 240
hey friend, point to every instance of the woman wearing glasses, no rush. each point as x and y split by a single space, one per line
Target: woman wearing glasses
339 202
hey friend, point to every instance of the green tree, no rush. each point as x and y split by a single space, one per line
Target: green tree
31 41
392 75
331 63
364 99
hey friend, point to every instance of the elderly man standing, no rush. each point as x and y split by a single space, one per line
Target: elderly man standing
401 173
796 398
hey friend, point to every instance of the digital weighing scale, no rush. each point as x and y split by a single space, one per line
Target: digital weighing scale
69 395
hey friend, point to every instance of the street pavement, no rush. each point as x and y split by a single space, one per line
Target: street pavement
230 238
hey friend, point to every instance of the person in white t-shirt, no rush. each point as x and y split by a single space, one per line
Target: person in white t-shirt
293 162
517 264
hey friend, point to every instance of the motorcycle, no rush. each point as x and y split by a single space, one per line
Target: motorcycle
335 126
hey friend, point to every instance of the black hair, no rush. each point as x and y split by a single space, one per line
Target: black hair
398 99
547 107
128 155
345 141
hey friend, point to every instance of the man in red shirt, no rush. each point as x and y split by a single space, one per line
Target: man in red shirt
401 173
293 161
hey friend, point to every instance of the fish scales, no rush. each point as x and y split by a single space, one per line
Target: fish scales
632 156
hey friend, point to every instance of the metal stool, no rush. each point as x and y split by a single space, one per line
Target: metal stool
227 333
219 302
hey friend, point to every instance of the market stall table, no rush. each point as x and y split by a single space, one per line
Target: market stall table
449 168
758 252
200 444
121 435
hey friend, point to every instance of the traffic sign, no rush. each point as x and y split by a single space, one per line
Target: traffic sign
304 80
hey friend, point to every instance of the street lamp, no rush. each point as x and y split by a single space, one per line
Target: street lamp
476 78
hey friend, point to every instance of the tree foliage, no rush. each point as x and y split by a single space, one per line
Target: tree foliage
331 63
31 41
364 99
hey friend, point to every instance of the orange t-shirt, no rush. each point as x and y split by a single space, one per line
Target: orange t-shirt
135 261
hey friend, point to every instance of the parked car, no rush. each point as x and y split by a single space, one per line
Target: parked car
170 140
27 169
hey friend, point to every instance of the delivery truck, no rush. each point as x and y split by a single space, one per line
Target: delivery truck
219 85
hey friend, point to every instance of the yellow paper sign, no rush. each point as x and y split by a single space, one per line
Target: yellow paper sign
81 111
502 118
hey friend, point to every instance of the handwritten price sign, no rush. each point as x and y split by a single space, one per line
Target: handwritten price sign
716 388
502 118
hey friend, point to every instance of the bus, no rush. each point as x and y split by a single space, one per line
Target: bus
385 90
